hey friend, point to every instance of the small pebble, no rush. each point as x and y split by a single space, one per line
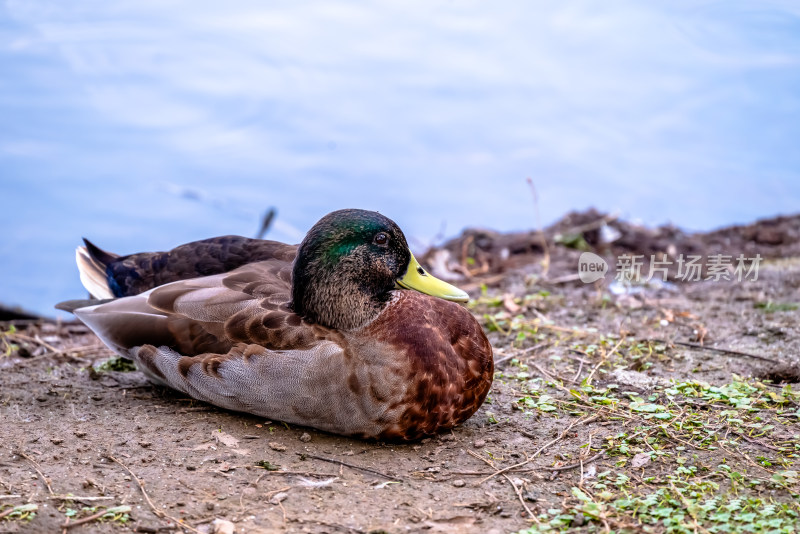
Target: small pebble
56 441
459 483
210 506
277 446
278 497
479 443
531 496
305 437
80 433
223 526
145 444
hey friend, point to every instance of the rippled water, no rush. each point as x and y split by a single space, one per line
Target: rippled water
142 125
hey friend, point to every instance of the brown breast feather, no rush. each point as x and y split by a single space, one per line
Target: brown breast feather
448 361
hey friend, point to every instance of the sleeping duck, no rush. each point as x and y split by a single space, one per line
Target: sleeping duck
345 333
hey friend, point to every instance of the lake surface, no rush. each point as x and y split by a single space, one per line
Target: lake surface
142 125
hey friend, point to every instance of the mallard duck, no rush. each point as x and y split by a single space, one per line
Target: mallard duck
345 333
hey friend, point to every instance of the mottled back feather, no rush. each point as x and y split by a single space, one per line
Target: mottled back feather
136 273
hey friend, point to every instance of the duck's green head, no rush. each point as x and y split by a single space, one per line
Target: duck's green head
347 266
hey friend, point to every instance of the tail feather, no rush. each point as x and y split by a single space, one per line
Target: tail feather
72 305
92 262
98 253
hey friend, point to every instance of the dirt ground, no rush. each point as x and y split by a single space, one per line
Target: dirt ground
661 407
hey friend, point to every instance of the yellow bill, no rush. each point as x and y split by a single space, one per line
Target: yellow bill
416 278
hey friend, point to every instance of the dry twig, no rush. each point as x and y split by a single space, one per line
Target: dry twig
340 462
67 524
516 489
79 498
698 346
158 513
538 452
521 499
579 464
36 467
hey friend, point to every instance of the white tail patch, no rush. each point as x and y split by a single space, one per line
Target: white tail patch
93 274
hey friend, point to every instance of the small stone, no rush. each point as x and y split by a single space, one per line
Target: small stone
278 497
80 433
191 468
459 483
277 446
479 443
210 506
305 437
223 526
56 441
145 444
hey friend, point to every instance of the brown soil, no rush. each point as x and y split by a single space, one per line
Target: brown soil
103 436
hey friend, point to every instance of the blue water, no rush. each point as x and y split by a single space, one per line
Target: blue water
142 125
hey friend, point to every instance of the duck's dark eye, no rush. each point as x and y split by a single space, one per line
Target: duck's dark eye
381 238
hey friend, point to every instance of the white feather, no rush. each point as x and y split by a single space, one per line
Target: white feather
93 274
